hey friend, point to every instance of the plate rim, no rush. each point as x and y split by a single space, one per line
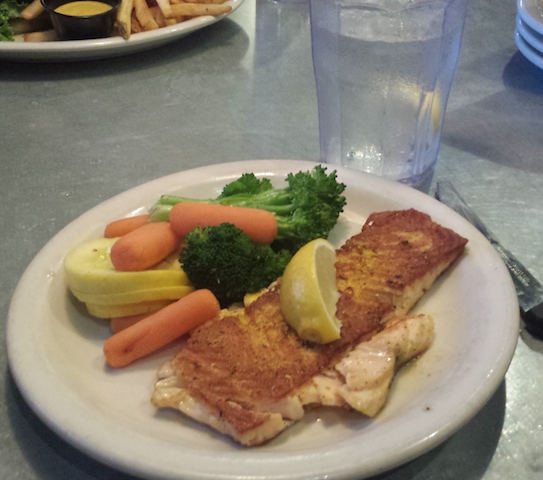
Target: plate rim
494 377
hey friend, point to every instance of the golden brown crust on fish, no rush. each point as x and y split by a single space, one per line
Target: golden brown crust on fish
253 357
245 366
395 258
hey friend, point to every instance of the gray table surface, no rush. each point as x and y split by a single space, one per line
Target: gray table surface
75 134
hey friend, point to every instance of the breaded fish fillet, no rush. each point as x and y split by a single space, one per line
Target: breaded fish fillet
247 374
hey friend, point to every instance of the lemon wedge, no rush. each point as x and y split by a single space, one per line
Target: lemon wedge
430 102
309 293
433 102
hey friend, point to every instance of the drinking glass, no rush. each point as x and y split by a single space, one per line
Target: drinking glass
383 71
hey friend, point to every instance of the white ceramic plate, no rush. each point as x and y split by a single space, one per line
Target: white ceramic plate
527 50
55 354
75 50
531 11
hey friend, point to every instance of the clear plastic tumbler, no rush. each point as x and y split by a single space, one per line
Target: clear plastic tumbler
383 71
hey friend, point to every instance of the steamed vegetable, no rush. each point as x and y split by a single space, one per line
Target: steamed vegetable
143 247
226 261
9 10
121 227
260 225
305 209
159 329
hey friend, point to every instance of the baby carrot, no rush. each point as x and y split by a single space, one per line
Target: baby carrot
258 224
121 227
160 328
120 323
143 247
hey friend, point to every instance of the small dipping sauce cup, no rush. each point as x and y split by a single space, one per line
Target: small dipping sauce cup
80 27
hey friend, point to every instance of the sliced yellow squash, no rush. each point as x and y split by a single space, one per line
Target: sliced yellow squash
113 311
161 293
89 270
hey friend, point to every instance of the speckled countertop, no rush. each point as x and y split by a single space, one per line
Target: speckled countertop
75 134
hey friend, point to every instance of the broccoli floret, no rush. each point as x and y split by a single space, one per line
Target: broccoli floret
306 209
248 184
9 10
226 261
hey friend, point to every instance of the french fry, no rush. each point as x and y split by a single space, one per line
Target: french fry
175 20
214 2
20 25
32 10
159 17
144 15
136 26
124 18
198 9
44 36
164 6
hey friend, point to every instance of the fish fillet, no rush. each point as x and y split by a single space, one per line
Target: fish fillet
248 375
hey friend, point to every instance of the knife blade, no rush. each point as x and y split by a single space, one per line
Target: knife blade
528 288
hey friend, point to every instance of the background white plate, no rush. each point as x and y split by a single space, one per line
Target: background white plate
531 12
55 354
75 50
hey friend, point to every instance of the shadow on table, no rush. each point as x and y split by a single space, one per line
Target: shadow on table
218 35
50 456
466 455
534 344
521 74
506 127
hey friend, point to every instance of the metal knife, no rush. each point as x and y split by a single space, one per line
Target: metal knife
529 290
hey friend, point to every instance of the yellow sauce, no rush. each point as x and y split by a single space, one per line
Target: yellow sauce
83 8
